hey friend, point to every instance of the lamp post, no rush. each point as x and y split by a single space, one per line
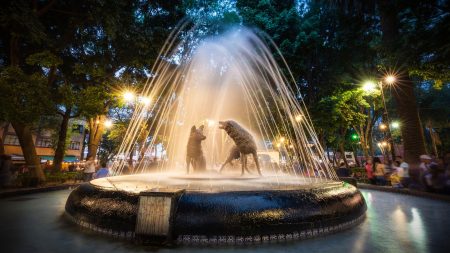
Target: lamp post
370 86
108 123
389 79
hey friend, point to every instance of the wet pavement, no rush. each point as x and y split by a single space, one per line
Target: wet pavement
394 223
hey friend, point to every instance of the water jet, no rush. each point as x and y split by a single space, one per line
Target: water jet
229 76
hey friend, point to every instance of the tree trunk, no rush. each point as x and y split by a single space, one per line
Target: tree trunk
412 135
61 145
370 143
2 146
342 150
363 139
365 145
96 128
32 160
413 140
434 138
83 145
335 162
4 127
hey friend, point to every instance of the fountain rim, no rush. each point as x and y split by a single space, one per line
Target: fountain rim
267 188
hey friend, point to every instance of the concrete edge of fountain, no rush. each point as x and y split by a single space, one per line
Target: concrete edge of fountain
199 240
224 217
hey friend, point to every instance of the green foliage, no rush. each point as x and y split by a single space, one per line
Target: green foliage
337 114
434 104
95 100
44 59
23 98
78 54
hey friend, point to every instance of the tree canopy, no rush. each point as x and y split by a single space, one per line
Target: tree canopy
67 59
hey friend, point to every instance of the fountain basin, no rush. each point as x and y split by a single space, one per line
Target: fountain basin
212 213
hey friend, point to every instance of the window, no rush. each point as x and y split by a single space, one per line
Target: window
11 140
44 143
77 129
74 145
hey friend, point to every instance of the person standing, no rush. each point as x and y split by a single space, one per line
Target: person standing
425 161
89 169
369 171
403 171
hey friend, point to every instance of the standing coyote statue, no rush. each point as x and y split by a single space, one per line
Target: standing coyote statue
244 143
194 154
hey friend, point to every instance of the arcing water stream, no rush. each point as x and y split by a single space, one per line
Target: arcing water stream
230 76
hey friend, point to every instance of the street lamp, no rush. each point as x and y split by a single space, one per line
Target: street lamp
369 86
390 79
395 125
108 123
128 96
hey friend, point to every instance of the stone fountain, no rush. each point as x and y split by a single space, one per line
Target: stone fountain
232 77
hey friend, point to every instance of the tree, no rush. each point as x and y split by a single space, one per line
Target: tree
81 45
21 34
434 107
371 106
105 58
22 102
340 112
402 25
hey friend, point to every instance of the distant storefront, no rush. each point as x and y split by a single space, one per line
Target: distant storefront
43 140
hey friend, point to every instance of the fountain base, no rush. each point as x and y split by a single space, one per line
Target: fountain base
195 214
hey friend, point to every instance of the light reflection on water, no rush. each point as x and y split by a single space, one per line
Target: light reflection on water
397 222
418 230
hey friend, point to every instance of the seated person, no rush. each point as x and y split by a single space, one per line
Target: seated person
343 171
102 172
395 177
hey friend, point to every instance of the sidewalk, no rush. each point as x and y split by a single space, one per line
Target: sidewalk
11 192
405 191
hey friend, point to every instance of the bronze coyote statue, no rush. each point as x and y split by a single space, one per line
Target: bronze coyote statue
233 155
244 141
194 154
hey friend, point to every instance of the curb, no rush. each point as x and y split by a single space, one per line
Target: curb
19 192
410 192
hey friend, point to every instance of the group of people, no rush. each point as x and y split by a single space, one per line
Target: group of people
379 173
433 174
91 172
